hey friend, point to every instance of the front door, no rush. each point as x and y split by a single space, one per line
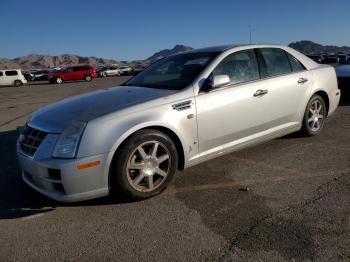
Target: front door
234 113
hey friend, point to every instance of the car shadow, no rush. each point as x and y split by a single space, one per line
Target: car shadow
17 200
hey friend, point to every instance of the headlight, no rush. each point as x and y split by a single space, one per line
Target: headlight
67 144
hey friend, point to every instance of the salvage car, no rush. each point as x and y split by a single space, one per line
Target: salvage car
343 75
12 77
181 111
108 71
86 73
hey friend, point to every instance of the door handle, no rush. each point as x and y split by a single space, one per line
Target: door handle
302 80
260 92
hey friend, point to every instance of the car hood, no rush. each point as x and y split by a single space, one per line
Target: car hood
343 71
55 117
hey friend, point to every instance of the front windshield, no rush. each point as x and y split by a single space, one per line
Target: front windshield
175 72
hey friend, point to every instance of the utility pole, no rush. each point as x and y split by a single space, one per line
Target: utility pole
250 34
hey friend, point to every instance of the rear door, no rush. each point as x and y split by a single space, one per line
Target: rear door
78 72
10 77
289 84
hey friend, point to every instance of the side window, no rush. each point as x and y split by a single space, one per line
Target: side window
295 64
274 62
241 67
1 74
77 69
11 73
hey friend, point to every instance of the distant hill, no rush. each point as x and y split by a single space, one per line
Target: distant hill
45 61
309 47
167 52
160 54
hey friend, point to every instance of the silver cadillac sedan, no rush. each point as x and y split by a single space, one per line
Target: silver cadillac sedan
180 111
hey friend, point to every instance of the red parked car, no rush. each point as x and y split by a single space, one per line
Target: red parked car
86 73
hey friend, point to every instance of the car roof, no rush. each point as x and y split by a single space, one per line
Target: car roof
223 48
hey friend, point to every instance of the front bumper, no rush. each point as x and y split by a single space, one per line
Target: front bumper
61 180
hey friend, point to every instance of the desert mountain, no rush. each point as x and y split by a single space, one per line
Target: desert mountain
167 52
159 55
46 61
309 47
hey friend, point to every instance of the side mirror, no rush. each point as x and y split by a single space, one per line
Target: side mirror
216 81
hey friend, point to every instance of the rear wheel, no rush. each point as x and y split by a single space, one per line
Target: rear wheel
88 78
145 165
315 116
18 83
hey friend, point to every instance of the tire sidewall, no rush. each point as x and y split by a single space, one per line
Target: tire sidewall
88 78
119 183
306 129
17 83
59 80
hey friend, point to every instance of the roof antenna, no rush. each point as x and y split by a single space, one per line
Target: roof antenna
250 34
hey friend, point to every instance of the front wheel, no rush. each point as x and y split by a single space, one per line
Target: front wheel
59 80
144 165
314 116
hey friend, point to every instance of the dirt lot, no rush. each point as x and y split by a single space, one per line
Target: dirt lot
285 200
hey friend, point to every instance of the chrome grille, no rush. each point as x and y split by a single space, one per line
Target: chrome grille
30 140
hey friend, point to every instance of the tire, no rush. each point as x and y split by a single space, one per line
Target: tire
88 78
18 83
59 80
314 116
140 171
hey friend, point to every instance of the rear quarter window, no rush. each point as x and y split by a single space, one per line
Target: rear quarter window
11 73
295 63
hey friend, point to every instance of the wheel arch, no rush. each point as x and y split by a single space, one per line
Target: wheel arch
173 135
325 97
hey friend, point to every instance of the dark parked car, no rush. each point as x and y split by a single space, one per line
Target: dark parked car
343 75
137 69
331 59
86 73
40 75
344 59
28 76
317 58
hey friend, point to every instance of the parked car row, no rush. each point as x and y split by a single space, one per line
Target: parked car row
18 77
330 58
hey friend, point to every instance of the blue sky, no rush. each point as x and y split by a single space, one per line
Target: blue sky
126 30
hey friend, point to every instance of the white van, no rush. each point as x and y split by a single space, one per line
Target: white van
12 77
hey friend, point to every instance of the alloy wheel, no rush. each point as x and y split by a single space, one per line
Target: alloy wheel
148 166
316 116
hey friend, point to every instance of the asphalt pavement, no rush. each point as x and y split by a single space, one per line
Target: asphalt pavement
285 200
